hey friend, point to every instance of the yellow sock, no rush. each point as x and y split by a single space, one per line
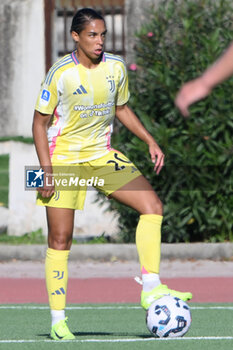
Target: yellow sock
148 242
56 272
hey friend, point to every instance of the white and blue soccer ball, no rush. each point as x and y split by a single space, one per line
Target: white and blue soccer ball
168 317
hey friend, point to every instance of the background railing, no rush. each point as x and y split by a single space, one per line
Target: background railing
58 17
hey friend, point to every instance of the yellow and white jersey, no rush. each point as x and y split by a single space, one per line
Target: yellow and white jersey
82 102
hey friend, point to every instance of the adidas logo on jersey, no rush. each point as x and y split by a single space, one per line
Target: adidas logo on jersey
80 90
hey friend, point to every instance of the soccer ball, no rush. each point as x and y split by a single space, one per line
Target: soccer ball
168 317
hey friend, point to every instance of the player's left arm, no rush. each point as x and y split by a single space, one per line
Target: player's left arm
128 118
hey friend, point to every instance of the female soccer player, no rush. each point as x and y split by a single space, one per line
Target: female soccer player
72 125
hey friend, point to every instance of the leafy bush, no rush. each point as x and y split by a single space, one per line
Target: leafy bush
177 43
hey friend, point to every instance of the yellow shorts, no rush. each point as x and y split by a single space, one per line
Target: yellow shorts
107 174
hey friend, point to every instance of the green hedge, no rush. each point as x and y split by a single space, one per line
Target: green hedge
178 41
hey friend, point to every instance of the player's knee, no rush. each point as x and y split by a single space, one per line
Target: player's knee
155 206
60 240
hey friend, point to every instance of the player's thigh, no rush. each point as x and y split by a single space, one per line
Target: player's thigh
60 219
139 195
115 170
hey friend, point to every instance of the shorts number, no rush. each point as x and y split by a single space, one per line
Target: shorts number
117 167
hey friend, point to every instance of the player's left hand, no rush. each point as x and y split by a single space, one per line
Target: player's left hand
157 157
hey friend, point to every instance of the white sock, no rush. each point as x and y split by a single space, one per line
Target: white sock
57 315
150 281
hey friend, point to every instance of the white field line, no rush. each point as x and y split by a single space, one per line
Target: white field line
31 307
133 340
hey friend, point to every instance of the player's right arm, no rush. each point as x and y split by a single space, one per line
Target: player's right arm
39 130
201 87
46 103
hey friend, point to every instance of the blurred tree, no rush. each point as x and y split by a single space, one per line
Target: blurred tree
177 43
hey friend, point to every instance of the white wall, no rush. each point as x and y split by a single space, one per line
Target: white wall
136 14
22 63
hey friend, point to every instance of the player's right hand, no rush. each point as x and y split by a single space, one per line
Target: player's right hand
46 193
48 189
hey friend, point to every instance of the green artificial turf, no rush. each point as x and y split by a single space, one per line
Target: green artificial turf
119 326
